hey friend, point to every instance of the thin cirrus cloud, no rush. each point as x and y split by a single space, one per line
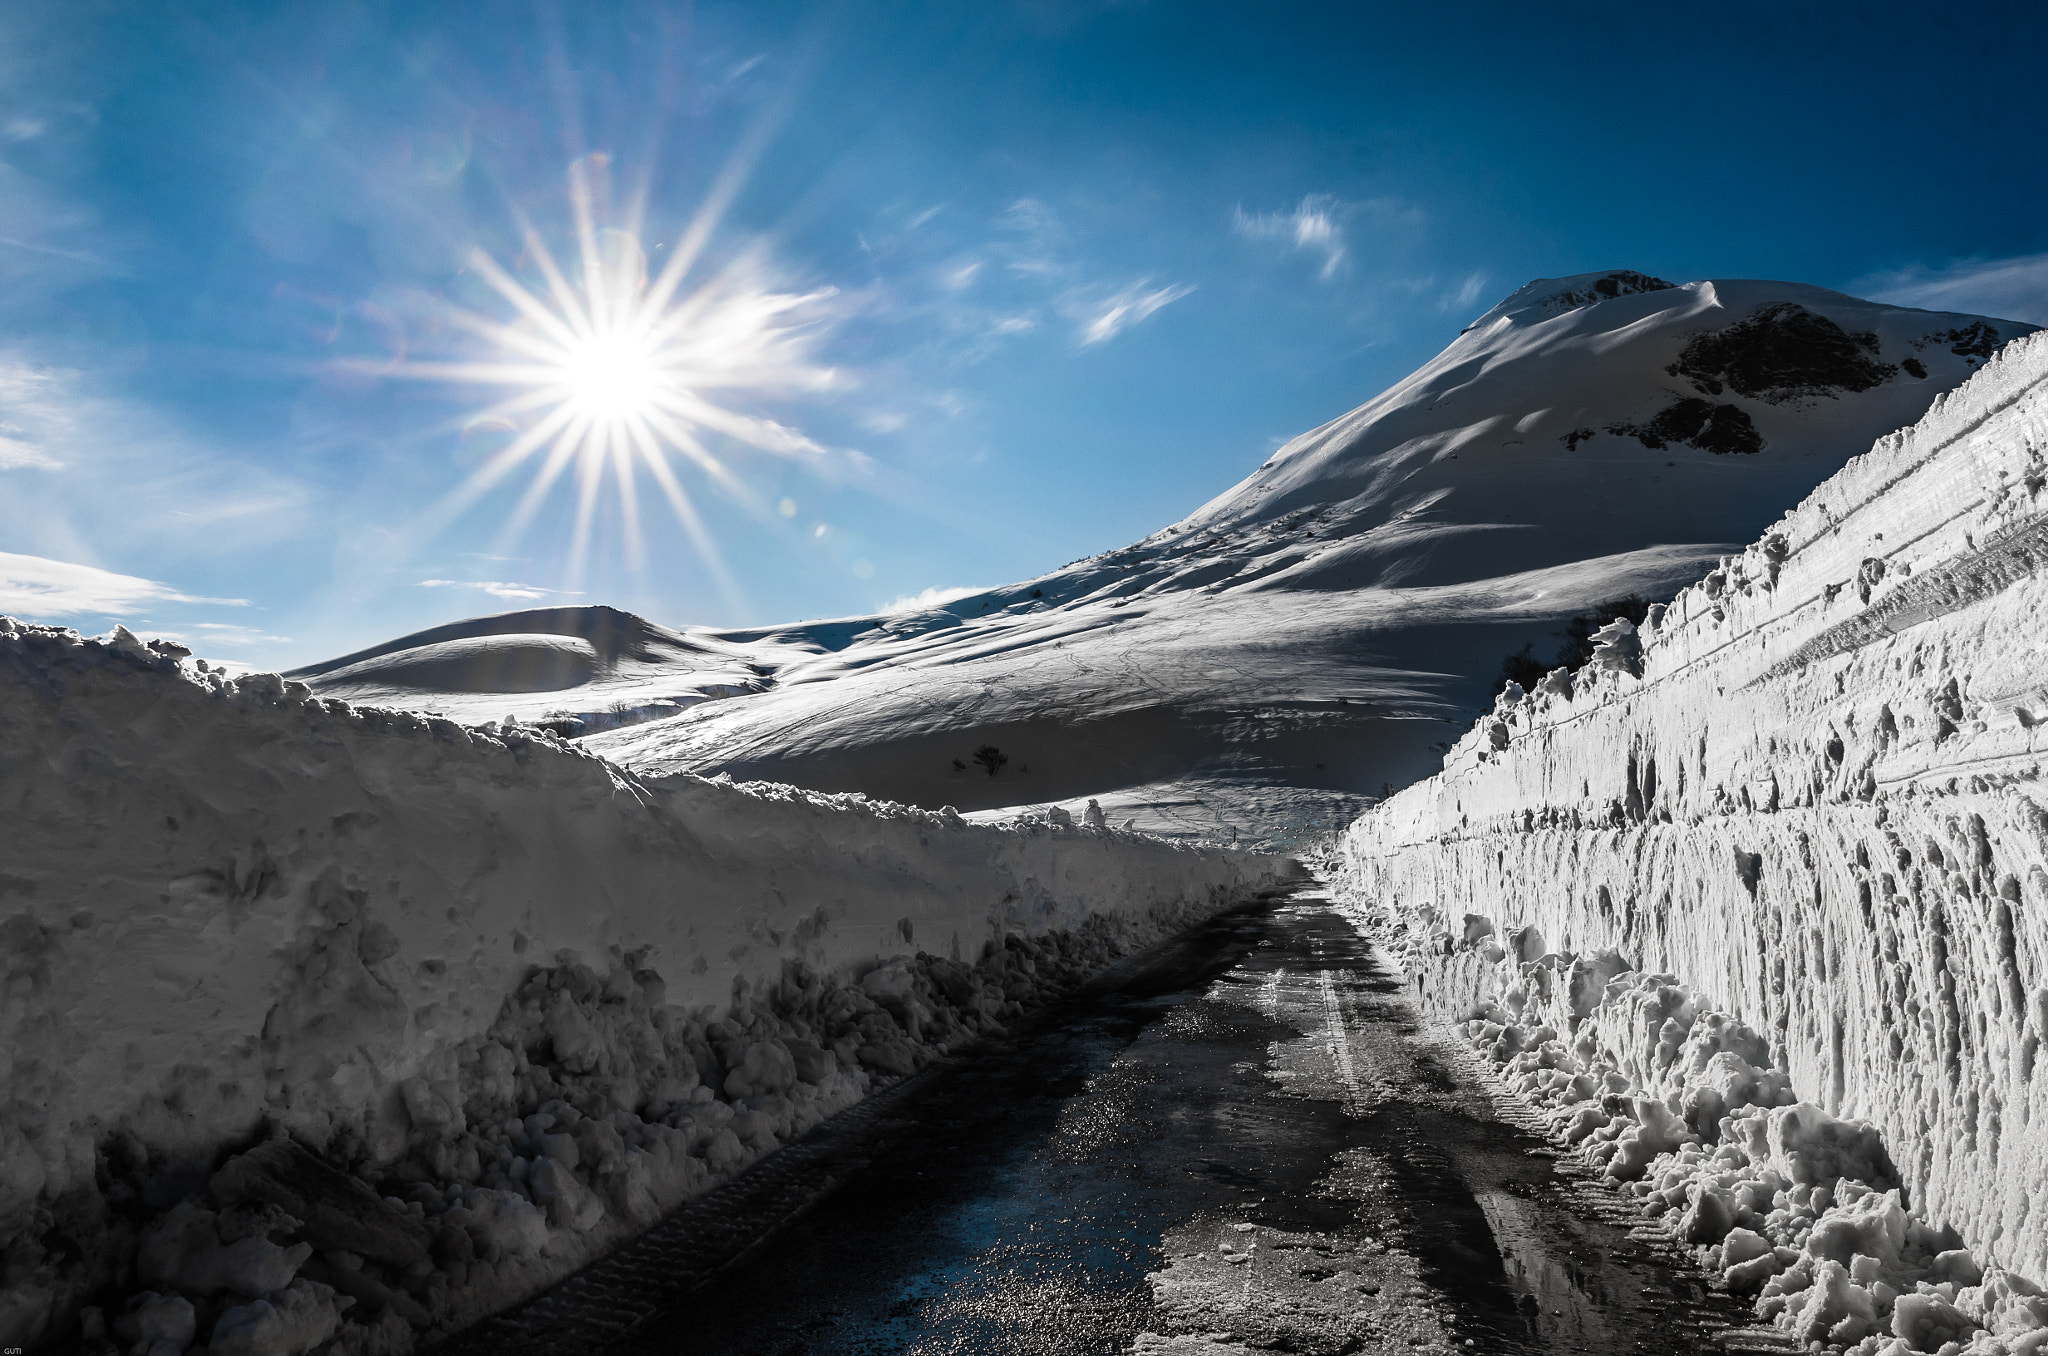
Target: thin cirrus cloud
1037 238
976 293
1311 227
128 472
499 588
37 401
18 454
1105 319
2012 289
205 636
36 586
1466 294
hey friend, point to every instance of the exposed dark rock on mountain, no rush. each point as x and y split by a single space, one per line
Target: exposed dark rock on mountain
1976 341
1780 353
1696 423
1620 283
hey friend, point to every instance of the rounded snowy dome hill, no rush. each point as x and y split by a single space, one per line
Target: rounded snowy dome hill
564 665
505 662
1315 635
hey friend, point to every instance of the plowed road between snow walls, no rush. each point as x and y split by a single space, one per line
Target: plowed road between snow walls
1242 1140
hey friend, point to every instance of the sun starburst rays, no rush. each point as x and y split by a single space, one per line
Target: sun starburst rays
616 372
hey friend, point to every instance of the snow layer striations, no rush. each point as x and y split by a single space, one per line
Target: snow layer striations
1757 900
330 1022
1302 641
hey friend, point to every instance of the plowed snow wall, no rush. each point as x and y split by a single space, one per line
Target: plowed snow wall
1815 795
227 903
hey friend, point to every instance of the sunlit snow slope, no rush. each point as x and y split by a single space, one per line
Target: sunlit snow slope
1312 636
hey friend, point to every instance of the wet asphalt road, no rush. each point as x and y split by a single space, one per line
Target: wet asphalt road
1247 1145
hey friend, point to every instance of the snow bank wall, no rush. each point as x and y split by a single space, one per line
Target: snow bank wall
228 908
1810 788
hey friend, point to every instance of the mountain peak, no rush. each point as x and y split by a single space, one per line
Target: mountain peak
1547 297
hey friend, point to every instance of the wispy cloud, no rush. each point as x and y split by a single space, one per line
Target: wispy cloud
1312 227
108 468
974 285
48 243
1105 319
203 635
498 588
2008 289
1466 294
928 599
39 587
36 401
1035 220
17 454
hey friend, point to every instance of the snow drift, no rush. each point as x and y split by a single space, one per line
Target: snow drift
264 949
1303 640
1772 872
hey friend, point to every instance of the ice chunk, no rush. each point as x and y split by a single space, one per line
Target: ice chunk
570 1204
1957 1266
1874 1225
1927 1321
287 1324
812 1062
1832 1309
1657 1130
502 1223
339 1211
769 1066
183 1250
1616 648
1710 1216
1809 1145
158 1318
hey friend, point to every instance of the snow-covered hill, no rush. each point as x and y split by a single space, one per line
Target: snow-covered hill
1313 636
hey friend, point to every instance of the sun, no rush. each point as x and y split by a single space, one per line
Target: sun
613 377
620 371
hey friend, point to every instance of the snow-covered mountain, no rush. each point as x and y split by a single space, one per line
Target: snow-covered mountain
1309 638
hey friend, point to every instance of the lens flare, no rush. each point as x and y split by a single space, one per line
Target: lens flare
619 372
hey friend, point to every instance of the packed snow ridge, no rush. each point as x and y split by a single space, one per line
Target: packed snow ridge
336 1025
1756 902
1308 637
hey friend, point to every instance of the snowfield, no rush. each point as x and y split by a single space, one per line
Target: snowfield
345 1007
1305 640
1757 901
324 1022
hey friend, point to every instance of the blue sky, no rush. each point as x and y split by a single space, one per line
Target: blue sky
1026 281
